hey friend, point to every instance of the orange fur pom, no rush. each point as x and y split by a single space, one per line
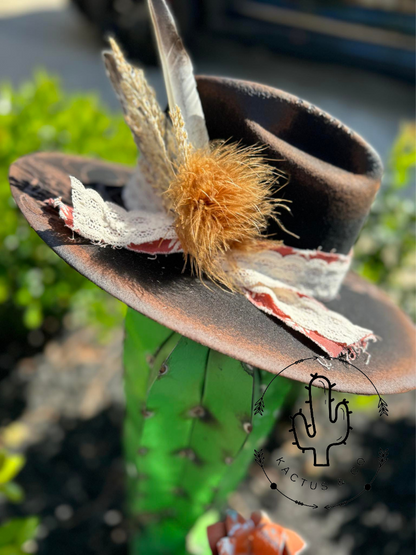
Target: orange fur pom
222 199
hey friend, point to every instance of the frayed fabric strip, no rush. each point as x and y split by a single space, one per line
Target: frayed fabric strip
333 333
65 211
282 281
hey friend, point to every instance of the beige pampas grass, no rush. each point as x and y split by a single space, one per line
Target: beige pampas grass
143 115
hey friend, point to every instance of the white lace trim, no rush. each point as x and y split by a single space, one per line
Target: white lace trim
300 271
309 314
110 224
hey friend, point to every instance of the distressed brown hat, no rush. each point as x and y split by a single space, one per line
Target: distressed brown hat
205 189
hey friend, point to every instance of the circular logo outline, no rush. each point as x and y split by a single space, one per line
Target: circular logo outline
324 360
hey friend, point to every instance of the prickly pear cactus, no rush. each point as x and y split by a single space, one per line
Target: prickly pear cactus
189 431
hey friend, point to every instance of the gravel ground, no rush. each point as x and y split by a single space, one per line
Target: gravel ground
67 413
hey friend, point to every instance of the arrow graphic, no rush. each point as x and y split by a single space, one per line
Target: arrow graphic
259 458
383 455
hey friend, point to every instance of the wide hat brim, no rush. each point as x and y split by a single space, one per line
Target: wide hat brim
223 321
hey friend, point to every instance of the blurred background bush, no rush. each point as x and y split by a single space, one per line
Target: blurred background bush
386 249
37 289
17 534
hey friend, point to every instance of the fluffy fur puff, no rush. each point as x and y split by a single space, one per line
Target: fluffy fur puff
222 199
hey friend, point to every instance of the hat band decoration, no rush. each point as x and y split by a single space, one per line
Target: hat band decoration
282 281
210 200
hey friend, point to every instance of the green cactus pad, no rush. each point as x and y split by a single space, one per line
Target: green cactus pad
189 430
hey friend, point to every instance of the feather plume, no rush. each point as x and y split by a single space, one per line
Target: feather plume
178 74
222 199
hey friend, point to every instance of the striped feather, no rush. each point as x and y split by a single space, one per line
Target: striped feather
178 74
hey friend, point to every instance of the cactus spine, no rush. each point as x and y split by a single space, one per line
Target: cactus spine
189 431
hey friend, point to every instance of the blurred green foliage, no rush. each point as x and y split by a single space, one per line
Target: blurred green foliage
36 288
386 250
14 533
10 466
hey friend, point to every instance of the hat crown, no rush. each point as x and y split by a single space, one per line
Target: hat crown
334 174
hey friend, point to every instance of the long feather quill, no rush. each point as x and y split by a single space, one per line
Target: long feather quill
178 74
